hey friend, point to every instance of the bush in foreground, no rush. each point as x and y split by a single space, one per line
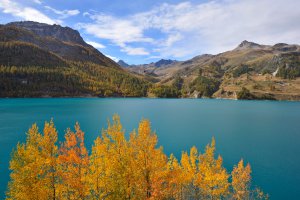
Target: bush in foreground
120 168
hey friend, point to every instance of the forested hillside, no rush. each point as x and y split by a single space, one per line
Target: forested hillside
49 60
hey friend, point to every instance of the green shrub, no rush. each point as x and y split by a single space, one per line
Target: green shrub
206 86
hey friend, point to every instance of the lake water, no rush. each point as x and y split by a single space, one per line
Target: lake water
264 133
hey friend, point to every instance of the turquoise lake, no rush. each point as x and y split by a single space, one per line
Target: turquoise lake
265 133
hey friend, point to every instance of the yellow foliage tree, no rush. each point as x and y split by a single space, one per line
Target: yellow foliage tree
109 167
174 177
212 178
33 165
99 172
241 178
149 163
120 168
189 165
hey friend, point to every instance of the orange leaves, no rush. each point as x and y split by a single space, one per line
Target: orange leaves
73 165
241 179
149 162
120 168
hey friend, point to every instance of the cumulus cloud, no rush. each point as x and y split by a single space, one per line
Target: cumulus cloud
96 44
115 29
119 31
188 29
25 12
63 13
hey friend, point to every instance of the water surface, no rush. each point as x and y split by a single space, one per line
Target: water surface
264 133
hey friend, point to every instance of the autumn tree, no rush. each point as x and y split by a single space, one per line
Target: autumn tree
110 174
98 168
120 168
241 178
33 165
26 168
174 177
189 164
73 166
212 178
149 163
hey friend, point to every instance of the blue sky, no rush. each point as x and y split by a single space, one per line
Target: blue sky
144 31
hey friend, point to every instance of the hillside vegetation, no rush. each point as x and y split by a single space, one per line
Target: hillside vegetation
49 60
267 72
41 60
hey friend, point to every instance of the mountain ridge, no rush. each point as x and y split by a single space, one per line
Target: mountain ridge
66 34
269 71
38 59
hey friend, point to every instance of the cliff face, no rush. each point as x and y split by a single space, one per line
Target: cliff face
58 32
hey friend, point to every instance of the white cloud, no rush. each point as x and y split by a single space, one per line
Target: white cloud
63 13
24 12
117 30
120 32
96 44
187 29
172 38
113 58
139 51
86 14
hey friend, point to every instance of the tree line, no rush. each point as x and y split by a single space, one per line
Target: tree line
78 79
120 168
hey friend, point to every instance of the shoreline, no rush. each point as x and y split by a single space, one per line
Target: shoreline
120 97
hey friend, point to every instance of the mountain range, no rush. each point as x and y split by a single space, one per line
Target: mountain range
50 60
263 71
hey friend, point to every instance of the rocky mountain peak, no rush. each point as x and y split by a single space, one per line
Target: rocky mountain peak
246 45
65 34
122 63
162 62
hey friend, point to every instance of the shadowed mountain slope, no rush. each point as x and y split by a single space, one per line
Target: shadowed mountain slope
38 59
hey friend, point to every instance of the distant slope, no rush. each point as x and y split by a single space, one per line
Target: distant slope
151 68
123 63
49 60
267 71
